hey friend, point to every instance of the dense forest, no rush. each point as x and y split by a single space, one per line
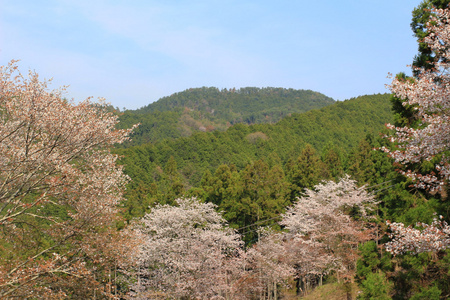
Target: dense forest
251 193
171 167
207 109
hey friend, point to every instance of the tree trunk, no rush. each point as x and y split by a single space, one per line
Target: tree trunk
115 278
275 296
348 289
303 287
297 286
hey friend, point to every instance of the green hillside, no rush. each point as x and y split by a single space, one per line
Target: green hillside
246 105
207 109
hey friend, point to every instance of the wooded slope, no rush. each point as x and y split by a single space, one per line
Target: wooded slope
209 109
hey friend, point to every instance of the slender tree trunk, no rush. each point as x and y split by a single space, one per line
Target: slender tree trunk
298 286
303 287
110 282
275 296
115 278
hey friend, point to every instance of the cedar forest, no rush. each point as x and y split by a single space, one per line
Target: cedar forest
251 193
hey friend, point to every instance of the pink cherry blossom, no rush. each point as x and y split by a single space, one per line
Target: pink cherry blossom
188 251
59 190
322 230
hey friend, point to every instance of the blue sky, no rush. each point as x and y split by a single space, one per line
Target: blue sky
135 52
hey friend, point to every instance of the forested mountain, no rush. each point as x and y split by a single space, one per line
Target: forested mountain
245 105
208 109
170 167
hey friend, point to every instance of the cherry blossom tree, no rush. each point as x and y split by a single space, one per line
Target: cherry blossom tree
188 251
311 261
59 189
268 266
428 94
320 223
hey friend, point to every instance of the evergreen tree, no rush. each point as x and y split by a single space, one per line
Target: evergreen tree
222 186
170 186
332 158
305 172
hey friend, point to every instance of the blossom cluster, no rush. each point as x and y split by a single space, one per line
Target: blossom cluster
428 95
423 238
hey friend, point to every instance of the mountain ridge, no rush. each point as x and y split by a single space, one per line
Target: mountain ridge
209 108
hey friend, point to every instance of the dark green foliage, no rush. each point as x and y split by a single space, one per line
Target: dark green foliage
306 171
372 259
432 293
372 167
256 194
423 276
333 159
372 267
223 187
419 276
399 200
404 114
376 287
